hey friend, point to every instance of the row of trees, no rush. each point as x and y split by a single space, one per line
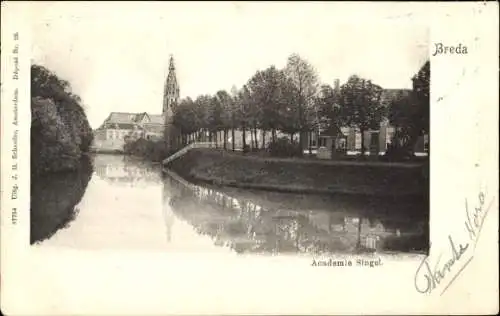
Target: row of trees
291 100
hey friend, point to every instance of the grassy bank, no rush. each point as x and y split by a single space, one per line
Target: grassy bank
302 176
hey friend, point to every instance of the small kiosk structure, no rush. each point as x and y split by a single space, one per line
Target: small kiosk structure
332 141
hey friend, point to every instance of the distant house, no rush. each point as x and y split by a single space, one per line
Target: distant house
121 127
376 141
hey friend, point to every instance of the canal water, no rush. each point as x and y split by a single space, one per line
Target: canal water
119 202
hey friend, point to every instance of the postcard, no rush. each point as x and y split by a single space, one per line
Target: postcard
169 158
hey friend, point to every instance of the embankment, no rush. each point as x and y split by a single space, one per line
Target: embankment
302 176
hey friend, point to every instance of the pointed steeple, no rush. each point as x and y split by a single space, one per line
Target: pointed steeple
171 92
171 66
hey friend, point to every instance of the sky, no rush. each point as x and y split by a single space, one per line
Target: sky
116 56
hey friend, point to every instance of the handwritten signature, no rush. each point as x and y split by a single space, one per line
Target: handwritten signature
428 278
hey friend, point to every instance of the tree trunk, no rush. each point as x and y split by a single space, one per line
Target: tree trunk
302 141
232 138
225 138
263 139
273 135
251 139
310 143
362 142
255 138
244 137
334 149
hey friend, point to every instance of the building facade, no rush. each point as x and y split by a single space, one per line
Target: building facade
375 141
121 127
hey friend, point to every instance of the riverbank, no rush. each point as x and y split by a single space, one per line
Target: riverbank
302 176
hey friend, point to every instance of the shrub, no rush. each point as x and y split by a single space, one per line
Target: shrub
283 147
151 150
397 153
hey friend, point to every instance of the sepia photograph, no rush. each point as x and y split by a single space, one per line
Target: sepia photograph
307 149
216 158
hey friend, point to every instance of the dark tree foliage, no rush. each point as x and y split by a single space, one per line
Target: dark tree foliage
60 131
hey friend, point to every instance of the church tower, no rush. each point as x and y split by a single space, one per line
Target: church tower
170 101
171 92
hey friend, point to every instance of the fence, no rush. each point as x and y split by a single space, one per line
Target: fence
184 150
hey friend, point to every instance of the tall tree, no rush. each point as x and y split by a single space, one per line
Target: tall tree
224 102
421 94
305 80
400 117
360 106
328 109
253 115
410 114
266 91
202 105
234 111
327 104
245 112
215 117
289 114
45 84
185 118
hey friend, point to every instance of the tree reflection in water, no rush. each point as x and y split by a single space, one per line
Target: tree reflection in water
337 227
54 198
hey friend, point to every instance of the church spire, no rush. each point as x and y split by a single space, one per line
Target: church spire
171 92
171 66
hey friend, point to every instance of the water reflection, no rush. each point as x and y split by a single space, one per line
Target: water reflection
54 198
317 224
126 171
129 204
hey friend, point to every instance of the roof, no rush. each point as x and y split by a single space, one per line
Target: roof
131 118
139 117
121 117
123 125
156 119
